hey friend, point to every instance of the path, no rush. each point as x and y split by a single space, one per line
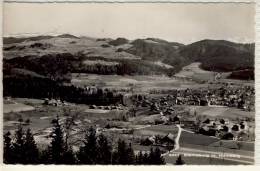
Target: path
177 144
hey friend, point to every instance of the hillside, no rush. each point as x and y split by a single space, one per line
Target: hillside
11 40
58 55
220 55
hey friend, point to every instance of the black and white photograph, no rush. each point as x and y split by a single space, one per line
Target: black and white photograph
128 83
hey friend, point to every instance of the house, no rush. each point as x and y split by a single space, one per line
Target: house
243 126
92 107
188 122
204 102
203 130
224 121
207 121
228 136
224 129
208 130
176 119
163 118
53 102
168 140
148 141
242 136
235 128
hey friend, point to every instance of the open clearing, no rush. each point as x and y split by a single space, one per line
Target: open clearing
197 139
16 107
160 63
221 112
100 62
96 111
194 72
138 83
157 130
246 146
85 45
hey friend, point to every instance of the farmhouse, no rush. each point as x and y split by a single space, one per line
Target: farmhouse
228 136
242 136
235 128
148 141
188 122
176 119
168 140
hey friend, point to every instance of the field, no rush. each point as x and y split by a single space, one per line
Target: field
162 130
56 45
195 73
203 150
138 83
10 106
221 112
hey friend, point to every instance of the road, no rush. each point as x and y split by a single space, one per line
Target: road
177 139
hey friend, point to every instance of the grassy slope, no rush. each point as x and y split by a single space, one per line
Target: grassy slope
138 56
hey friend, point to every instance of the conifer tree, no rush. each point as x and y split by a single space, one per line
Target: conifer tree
45 156
124 154
31 152
88 152
114 157
179 161
146 159
18 145
139 158
122 158
158 159
151 156
104 150
155 157
68 156
57 147
7 148
130 154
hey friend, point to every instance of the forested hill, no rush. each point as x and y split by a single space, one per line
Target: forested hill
220 55
55 56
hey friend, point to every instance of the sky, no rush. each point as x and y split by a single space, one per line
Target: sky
178 22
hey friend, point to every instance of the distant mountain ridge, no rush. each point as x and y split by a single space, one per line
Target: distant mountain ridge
10 40
139 56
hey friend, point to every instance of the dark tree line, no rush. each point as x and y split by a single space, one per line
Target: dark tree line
21 149
96 149
28 87
59 67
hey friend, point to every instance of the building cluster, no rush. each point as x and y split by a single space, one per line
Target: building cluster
230 96
167 140
111 107
55 102
224 129
239 97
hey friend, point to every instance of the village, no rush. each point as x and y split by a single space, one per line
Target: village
148 111
222 127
